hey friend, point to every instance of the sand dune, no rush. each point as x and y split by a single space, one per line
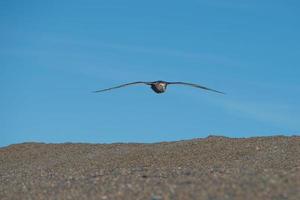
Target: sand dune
211 168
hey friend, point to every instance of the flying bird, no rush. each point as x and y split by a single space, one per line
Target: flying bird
160 86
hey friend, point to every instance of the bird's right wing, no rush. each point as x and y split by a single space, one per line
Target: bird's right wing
123 85
196 85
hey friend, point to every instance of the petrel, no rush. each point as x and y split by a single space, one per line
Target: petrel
160 86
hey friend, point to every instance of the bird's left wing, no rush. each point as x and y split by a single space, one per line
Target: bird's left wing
195 85
123 85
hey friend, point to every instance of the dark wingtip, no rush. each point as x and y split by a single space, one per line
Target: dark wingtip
221 92
217 91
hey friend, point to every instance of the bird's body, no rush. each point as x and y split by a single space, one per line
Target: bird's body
160 86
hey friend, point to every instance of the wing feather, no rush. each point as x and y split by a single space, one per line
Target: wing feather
123 85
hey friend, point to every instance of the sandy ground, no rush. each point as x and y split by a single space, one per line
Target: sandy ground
211 168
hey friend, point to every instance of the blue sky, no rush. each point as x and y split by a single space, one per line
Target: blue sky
54 53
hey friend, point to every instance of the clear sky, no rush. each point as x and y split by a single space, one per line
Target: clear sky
54 53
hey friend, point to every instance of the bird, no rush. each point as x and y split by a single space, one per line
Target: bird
160 86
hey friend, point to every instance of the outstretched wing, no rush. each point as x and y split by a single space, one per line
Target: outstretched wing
196 85
123 85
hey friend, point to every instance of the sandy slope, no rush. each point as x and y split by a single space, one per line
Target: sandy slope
211 168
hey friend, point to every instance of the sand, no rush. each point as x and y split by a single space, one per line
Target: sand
211 168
